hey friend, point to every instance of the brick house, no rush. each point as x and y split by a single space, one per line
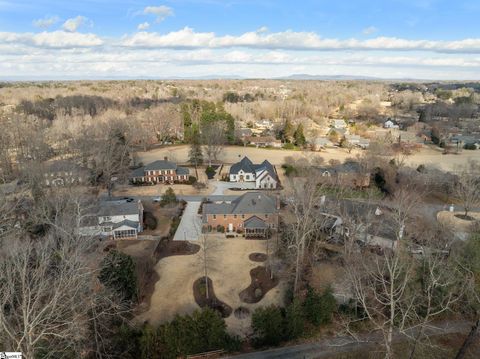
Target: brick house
253 213
162 171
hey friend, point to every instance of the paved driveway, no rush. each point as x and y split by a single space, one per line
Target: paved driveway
221 187
190 224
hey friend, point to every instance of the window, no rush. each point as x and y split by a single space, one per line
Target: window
234 216
214 216
243 216
224 216
266 216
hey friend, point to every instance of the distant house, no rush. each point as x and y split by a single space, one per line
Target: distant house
244 133
162 171
320 143
253 213
339 124
263 174
358 141
390 124
264 141
116 219
264 124
348 174
63 173
465 140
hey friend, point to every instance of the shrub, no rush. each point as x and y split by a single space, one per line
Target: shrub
267 325
294 320
191 180
210 171
174 225
289 170
289 146
118 273
318 309
149 220
220 228
201 331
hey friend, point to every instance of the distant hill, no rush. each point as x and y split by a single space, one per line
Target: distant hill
328 77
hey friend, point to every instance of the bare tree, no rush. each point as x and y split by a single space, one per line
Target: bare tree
304 222
467 187
213 139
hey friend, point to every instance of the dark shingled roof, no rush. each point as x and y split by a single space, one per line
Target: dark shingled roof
182 171
255 223
250 202
139 172
112 208
245 164
161 165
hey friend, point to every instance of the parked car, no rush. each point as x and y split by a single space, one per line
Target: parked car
157 199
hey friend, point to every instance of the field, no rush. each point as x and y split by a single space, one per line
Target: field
231 154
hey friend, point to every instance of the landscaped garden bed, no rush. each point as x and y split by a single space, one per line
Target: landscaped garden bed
260 285
200 295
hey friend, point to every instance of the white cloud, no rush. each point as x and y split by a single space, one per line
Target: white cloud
161 12
55 39
73 24
143 26
370 30
290 40
46 22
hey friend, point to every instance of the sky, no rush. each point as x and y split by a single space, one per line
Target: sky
102 39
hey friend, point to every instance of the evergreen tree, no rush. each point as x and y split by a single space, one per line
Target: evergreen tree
299 137
118 273
318 309
294 320
195 156
287 133
267 325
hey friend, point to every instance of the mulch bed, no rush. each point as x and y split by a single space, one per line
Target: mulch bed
212 302
257 257
168 248
260 285
465 218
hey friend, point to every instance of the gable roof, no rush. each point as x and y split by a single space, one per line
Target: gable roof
255 223
265 167
250 202
116 208
244 165
161 165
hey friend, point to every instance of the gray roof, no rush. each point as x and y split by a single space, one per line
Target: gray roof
161 165
249 203
255 223
115 208
125 222
182 171
138 172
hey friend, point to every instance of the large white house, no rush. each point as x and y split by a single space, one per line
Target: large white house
116 219
263 174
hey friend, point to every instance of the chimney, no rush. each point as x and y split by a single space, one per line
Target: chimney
165 158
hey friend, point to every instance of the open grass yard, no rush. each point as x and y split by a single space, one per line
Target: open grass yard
232 154
230 274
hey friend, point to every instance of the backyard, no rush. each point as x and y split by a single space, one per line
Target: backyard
229 270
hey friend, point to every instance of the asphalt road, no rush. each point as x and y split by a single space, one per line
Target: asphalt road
328 347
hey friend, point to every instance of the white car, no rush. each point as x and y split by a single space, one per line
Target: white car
157 199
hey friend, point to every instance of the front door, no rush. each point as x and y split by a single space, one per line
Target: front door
241 178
